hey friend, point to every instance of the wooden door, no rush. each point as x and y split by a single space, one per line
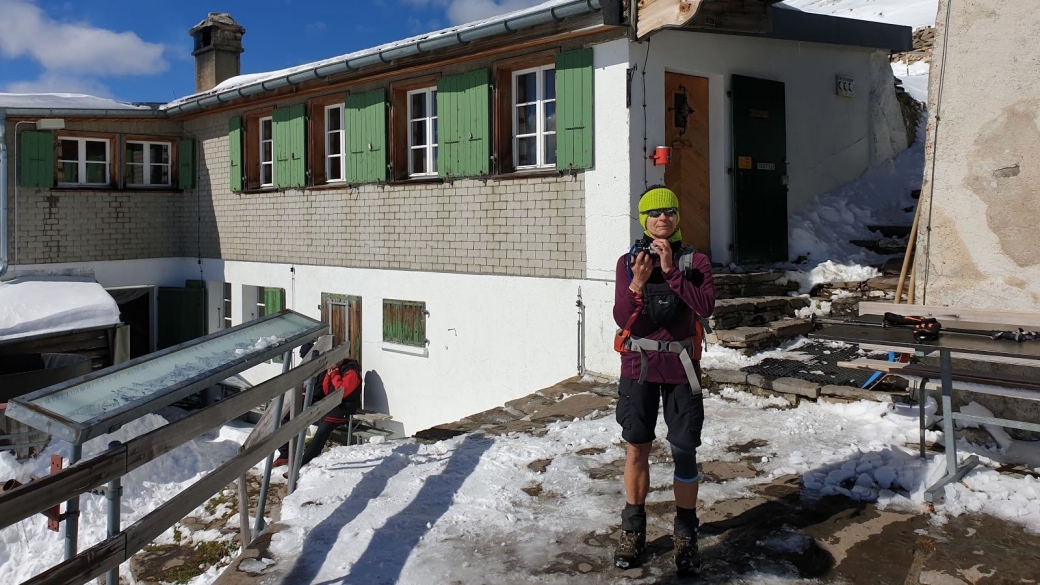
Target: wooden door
686 132
343 314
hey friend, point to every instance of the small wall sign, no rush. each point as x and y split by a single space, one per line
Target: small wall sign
744 162
846 86
766 167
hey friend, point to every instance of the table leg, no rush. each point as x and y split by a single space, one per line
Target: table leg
922 397
953 473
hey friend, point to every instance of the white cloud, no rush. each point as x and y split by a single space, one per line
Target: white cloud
74 48
60 83
463 11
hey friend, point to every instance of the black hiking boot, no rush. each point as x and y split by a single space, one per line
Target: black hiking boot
629 549
687 556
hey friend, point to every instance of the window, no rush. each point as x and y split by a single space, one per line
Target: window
269 301
84 161
534 117
404 322
147 164
422 132
335 142
226 307
266 152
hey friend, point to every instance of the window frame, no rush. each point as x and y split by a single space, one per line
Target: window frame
540 133
227 300
251 149
400 153
419 307
169 144
81 163
503 108
342 156
260 152
429 94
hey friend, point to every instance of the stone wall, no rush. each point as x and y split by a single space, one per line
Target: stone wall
83 225
521 226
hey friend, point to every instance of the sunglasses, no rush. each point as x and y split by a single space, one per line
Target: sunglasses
670 212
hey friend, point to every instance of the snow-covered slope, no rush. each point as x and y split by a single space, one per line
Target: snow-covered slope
915 13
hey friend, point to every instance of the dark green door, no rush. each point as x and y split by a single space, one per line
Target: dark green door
182 314
760 170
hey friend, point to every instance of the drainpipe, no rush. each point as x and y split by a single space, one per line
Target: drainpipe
3 192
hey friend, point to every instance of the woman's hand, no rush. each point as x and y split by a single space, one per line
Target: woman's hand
664 252
642 266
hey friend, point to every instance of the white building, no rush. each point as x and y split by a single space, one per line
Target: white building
443 199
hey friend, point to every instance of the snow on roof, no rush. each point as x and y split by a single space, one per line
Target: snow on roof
75 101
34 305
254 78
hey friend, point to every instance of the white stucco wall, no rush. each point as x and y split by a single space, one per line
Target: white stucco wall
830 139
492 338
980 207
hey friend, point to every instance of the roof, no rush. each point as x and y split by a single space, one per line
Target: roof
791 24
45 104
36 305
551 10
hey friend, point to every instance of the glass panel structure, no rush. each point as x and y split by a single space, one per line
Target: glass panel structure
86 407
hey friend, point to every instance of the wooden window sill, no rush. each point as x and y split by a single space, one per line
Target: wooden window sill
528 174
255 190
433 179
330 186
73 189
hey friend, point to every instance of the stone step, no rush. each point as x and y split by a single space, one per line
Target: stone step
731 285
891 231
883 246
754 311
752 339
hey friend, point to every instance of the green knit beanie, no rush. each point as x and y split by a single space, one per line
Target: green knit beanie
659 198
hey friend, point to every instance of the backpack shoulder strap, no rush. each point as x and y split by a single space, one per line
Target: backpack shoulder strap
685 263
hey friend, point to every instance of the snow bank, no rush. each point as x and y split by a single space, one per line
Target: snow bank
28 548
914 77
34 305
75 101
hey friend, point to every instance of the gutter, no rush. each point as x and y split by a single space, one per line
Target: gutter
3 192
385 56
80 113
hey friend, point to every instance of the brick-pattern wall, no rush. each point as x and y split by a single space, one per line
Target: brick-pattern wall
533 226
72 225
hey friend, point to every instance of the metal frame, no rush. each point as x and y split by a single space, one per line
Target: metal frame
946 345
22 409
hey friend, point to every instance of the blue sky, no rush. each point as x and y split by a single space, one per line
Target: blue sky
139 50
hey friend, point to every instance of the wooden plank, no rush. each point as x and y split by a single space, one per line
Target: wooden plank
155 523
872 365
35 497
718 15
965 318
21 503
164 439
91 563
975 377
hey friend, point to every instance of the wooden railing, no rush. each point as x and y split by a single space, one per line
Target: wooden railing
37 496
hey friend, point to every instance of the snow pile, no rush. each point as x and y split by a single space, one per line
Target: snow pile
74 101
822 231
260 345
34 305
28 548
914 77
912 13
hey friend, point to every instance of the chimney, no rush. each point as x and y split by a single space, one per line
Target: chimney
218 48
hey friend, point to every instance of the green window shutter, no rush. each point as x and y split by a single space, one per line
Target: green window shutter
463 106
574 110
297 145
235 150
404 322
287 126
366 136
36 151
186 164
274 300
280 138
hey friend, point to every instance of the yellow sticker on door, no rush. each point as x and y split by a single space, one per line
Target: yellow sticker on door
744 162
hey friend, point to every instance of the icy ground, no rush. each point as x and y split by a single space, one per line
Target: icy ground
456 511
